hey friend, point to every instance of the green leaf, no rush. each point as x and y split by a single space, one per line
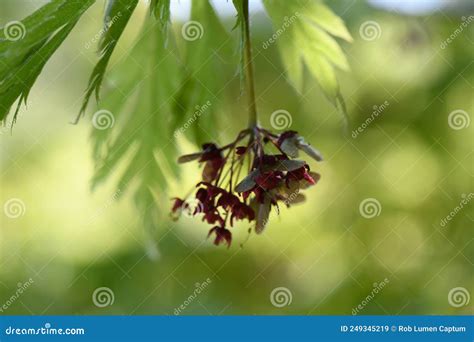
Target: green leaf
117 17
140 145
23 59
161 11
304 29
240 23
208 48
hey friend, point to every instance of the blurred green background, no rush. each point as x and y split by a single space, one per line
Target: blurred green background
71 241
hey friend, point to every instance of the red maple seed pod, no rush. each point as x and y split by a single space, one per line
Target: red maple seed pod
224 196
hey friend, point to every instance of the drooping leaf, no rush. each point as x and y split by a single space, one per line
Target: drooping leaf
116 19
304 29
138 95
23 57
161 10
240 24
208 50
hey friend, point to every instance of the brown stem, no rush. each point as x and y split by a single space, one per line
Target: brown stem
248 66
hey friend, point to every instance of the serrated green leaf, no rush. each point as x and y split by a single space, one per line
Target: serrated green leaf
22 60
118 15
161 11
207 45
304 30
138 94
322 16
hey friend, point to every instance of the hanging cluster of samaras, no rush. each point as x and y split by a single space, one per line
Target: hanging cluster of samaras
273 175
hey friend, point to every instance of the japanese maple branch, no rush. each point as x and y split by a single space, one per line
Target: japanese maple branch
248 66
